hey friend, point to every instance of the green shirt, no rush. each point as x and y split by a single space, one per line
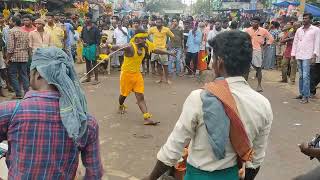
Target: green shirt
177 41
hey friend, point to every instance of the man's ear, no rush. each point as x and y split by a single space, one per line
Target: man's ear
37 75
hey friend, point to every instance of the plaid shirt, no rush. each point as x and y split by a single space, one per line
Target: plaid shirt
39 144
18 45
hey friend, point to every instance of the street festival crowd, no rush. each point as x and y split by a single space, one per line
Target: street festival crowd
223 127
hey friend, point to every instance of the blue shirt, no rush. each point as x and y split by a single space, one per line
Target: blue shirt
69 29
194 42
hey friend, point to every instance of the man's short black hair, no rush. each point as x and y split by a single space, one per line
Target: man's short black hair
89 15
16 20
309 15
234 25
50 14
235 49
276 24
175 18
27 16
140 30
136 20
256 18
159 18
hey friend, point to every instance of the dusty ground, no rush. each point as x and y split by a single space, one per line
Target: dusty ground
129 149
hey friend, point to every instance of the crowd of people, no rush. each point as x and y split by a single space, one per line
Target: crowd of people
225 125
187 37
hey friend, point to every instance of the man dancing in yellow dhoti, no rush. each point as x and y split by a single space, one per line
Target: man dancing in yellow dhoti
131 79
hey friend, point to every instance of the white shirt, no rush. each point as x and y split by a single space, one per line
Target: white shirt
120 37
255 113
306 43
213 33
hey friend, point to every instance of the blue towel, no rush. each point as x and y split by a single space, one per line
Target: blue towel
57 68
217 123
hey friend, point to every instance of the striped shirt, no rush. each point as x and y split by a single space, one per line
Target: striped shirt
39 144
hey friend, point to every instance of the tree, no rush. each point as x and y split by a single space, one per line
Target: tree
160 5
205 6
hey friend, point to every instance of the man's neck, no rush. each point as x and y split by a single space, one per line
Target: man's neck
40 30
306 26
51 24
255 28
28 26
159 28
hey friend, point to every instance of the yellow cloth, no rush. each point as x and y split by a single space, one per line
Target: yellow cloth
79 46
56 34
131 82
132 64
160 37
103 57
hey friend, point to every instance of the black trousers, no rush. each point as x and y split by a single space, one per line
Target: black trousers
194 58
314 77
89 66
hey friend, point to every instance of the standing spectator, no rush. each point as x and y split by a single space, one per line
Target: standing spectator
2 56
217 29
216 138
160 37
120 37
57 34
269 59
234 25
27 23
202 64
49 129
39 38
90 36
18 55
305 50
69 37
225 25
289 63
315 73
177 46
258 36
192 49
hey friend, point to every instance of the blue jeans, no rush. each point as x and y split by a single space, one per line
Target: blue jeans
18 71
304 77
175 60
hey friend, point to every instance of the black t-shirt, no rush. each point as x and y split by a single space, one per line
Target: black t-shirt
91 36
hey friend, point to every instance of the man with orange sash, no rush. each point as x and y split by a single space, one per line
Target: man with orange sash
131 79
226 123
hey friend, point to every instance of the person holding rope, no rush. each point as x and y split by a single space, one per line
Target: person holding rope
131 79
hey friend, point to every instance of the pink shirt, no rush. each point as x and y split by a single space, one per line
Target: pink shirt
306 43
258 37
38 41
26 29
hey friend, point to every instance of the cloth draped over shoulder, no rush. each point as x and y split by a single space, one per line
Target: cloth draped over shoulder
222 121
149 45
55 66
